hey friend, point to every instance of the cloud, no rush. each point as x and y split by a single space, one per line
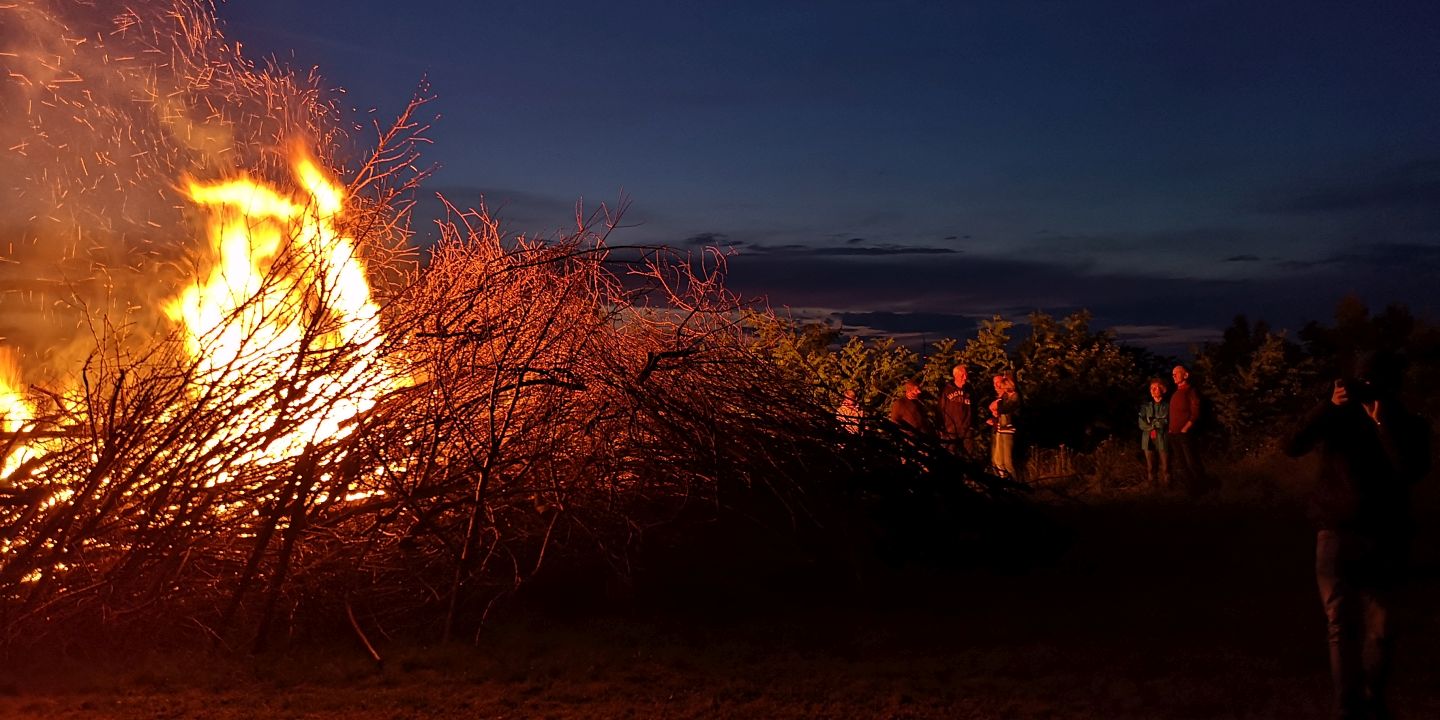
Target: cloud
918 330
1389 256
712 239
939 295
1187 251
882 249
1399 258
934 324
1414 184
854 246
1165 338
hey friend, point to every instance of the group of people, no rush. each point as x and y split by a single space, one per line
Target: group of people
1171 423
958 429
1372 450
1164 423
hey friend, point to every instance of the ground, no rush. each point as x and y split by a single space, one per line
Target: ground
1157 609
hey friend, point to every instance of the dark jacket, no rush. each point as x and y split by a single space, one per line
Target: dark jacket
907 414
1366 469
956 415
1009 413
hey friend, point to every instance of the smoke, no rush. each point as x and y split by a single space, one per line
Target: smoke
107 108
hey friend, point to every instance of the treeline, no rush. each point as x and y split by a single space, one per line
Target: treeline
1081 386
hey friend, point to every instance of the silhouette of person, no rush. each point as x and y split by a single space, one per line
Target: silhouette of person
1372 449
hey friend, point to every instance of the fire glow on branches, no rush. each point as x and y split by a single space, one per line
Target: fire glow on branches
191 333
246 319
240 399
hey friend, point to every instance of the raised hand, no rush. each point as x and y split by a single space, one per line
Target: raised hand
1339 396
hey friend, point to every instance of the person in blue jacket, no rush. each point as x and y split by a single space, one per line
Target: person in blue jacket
1154 425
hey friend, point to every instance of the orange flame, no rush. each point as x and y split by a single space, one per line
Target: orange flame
285 282
16 414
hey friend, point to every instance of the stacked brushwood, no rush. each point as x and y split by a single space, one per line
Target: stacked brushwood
545 402
561 397
525 400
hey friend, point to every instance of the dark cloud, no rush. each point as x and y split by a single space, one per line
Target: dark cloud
918 330
883 249
1242 259
934 324
1407 257
1153 245
940 294
1401 258
1412 185
711 239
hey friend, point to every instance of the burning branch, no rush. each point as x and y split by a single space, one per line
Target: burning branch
293 419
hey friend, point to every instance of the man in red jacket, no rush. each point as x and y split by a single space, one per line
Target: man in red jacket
1184 411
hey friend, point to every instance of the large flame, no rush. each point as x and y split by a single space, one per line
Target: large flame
16 416
286 287
282 320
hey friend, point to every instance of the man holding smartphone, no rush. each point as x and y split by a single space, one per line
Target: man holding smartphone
1372 450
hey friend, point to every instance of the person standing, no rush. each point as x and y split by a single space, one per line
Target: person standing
1372 450
1003 412
956 414
1154 435
849 414
906 411
1184 411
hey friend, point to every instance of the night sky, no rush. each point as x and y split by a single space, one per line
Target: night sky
910 166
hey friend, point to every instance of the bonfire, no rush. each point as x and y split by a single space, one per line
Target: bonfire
237 394
240 400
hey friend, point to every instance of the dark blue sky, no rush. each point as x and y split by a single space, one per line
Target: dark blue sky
1167 165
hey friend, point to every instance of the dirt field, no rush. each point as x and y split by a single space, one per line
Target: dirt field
1157 610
